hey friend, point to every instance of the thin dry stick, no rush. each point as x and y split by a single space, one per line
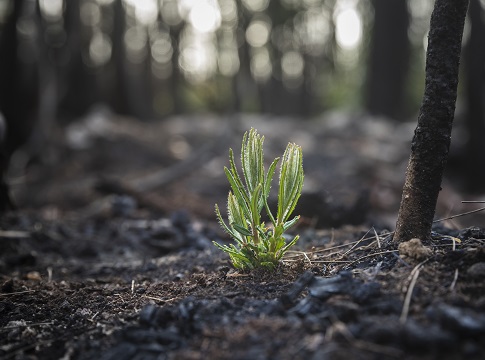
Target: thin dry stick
299 253
307 258
17 293
377 238
357 243
328 255
454 244
155 298
296 255
409 294
14 234
328 261
473 201
338 246
458 215
162 300
349 262
92 317
371 255
455 278
49 274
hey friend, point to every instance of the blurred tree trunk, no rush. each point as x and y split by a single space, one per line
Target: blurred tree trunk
388 58
131 84
18 80
18 90
121 100
78 89
47 61
475 98
307 103
431 142
176 78
246 91
139 91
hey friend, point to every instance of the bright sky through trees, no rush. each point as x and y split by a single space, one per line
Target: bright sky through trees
285 40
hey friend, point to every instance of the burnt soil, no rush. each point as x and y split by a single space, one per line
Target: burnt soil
105 260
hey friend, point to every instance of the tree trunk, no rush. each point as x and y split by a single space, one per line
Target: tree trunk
431 142
388 58
121 98
77 87
474 54
18 91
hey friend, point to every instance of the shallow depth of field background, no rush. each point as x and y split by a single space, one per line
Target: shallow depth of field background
333 65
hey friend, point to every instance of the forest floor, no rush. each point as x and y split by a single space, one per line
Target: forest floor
111 254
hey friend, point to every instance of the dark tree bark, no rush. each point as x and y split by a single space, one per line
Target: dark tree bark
18 82
176 78
474 55
18 92
432 137
78 89
245 90
121 99
388 58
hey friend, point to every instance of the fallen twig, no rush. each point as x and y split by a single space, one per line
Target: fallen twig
377 238
455 278
193 161
160 299
357 243
458 215
374 254
17 293
14 234
409 293
295 253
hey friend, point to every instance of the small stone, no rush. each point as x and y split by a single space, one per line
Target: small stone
477 270
324 288
123 205
178 277
34 275
147 314
414 249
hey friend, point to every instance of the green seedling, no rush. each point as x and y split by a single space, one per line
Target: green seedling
258 245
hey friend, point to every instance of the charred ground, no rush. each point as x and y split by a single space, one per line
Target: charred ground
98 268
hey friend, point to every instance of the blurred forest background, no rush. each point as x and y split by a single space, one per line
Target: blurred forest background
153 59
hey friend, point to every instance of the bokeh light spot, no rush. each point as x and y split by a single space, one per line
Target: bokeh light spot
348 28
205 17
257 33
256 5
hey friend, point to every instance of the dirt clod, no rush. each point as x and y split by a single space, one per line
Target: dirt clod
414 249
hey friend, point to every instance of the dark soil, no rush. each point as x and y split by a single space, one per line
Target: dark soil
101 263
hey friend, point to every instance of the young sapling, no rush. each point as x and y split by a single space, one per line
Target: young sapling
259 245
